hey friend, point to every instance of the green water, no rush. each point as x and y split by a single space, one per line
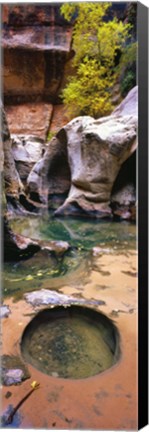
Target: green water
68 346
82 233
46 271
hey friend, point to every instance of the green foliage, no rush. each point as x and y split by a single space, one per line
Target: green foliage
127 83
127 69
50 135
96 42
131 16
85 94
128 57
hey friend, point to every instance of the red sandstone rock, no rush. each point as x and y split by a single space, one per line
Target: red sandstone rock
41 38
29 119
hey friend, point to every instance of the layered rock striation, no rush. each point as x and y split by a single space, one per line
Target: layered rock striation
41 38
36 43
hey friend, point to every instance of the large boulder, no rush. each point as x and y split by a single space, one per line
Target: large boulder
84 160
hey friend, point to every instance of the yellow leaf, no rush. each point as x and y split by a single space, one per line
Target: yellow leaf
14 280
29 277
35 385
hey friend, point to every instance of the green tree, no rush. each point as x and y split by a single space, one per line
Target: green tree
127 68
96 41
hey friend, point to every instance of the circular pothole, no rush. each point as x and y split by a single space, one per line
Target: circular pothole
74 342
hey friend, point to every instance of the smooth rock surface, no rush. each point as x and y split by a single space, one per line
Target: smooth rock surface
4 311
129 106
27 150
14 371
48 297
91 153
13 376
51 174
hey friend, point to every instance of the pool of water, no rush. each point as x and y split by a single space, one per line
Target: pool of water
46 271
82 233
70 343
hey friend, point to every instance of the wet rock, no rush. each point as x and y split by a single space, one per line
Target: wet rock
4 311
58 247
13 376
16 246
48 297
100 251
91 153
14 371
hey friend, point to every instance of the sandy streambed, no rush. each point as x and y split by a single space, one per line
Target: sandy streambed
105 401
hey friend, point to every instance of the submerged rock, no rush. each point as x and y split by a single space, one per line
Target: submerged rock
17 247
48 297
97 250
57 247
84 160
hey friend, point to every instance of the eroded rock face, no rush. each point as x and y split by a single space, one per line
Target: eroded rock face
40 36
51 175
12 182
29 119
94 152
123 195
27 150
16 246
